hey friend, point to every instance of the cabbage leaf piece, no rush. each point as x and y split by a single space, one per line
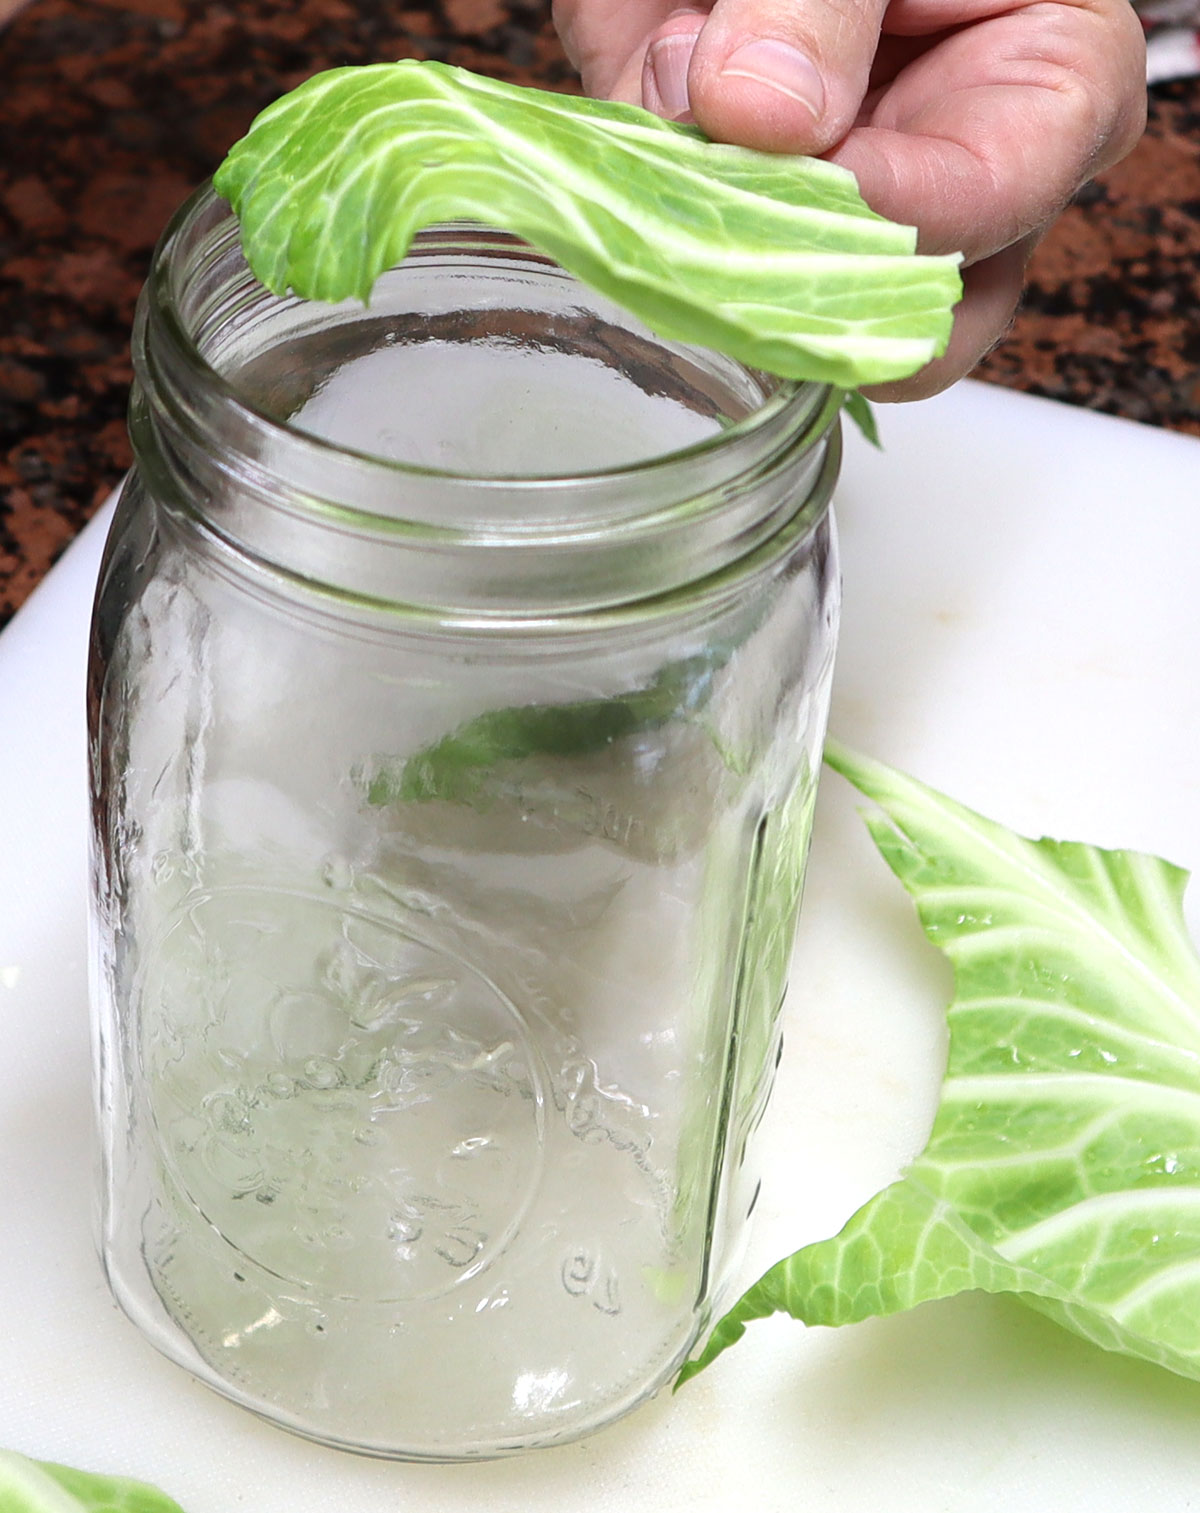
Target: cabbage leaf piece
457 767
1064 1161
774 260
29 1486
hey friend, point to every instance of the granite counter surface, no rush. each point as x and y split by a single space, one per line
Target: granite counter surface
112 110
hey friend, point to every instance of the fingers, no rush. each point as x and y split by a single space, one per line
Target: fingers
983 137
664 79
770 74
607 39
974 120
982 118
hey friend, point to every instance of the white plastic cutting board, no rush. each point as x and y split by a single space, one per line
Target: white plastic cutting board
1021 628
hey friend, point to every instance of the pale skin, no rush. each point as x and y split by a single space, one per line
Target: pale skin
973 120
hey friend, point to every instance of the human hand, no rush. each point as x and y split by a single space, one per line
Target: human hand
973 120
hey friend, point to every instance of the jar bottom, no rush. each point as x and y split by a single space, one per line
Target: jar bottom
145 1309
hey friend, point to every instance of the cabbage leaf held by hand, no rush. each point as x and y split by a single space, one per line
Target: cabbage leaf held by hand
1064 1161
774 260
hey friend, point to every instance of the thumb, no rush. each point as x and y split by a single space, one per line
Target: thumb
766 73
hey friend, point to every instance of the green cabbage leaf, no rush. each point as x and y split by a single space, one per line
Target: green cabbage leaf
775 260
29 1486
1064 1161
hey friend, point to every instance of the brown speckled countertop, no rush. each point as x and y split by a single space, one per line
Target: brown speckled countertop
111 110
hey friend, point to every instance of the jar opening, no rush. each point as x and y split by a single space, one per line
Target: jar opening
479 357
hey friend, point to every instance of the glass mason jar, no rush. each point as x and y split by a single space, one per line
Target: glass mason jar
459 672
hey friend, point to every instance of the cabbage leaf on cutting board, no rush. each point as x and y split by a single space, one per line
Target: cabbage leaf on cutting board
30 1486
1064 1161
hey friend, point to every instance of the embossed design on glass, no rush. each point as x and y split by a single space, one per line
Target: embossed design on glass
308 1061
449 829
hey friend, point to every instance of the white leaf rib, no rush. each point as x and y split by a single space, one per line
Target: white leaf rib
1174 998
1071 1087
286 107
268 165
1085 925
1100 1208
606 192
1068 1150
1167 1278
1100 878
532 158
999 940
1012 850
1165 907
1068 1014
23 1484
281 207
647 139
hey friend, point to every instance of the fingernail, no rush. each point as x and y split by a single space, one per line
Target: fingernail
781 67
669 59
